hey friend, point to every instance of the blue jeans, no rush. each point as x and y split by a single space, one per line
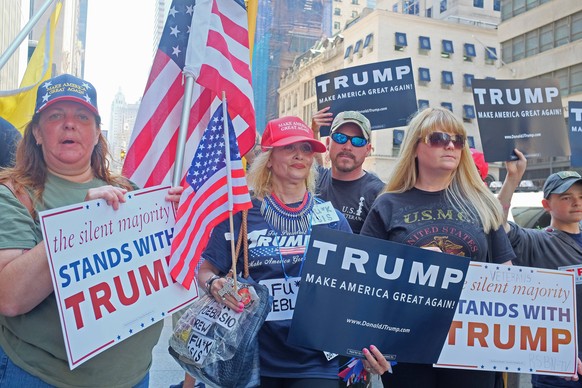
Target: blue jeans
12 376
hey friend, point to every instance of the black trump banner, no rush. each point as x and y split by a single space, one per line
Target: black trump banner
522 114
575 132
357 290
383 92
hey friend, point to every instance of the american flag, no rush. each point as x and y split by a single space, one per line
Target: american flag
209 36
204 203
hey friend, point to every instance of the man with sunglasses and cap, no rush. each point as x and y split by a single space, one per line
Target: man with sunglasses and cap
349 188
559 246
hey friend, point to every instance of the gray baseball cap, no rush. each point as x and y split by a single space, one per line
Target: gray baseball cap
352 116
560 182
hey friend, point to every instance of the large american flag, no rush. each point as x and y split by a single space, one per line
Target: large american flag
205 203
209 36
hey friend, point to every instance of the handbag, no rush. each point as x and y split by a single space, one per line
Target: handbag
217 345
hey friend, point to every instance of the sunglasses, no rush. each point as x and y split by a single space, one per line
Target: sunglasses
357 141
441 139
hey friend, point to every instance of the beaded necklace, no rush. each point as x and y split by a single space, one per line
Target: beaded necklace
288 221
285 219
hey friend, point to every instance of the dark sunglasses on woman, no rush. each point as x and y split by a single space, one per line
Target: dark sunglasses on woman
441 139
357 141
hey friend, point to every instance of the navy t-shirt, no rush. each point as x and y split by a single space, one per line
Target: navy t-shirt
425 219
272 255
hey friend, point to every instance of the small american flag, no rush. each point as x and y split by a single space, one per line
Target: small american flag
210 37
204 203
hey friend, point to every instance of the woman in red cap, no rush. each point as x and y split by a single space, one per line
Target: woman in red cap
279 225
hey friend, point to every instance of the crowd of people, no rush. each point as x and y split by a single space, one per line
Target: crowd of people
62 158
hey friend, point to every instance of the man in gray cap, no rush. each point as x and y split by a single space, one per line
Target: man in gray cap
348 187
559 246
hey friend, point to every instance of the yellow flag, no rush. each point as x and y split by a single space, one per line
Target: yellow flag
17 106
252 10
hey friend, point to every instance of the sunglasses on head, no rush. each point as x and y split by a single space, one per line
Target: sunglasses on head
441 139
357 141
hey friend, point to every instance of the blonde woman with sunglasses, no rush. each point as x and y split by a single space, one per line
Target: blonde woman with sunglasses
435 199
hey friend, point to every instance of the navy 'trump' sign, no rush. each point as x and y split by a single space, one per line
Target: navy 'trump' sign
575 131
356 291
522 114
383 92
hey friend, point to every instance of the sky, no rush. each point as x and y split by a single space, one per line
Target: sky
119 51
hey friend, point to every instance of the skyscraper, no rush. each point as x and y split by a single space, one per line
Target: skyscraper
285 29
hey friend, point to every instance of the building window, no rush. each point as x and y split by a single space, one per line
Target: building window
401 42
569 78
532 43
336 25
468 112
423 104
575 83
544 38
395 8
447 79
423 44
411 7
562 32
478 3
490 55
368 41
448 105
576 26
471 141
348 52
443 5
354 14
469 52
397 137
497 5
447 48
356 2
424 75
468 81
337 11
429 12
357 46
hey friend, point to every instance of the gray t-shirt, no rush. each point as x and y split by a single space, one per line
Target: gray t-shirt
549 248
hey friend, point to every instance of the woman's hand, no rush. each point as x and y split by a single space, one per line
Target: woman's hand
375 362
174 194
111 194
228 298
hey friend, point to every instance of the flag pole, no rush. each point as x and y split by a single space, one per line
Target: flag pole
183 131
23 33
229 185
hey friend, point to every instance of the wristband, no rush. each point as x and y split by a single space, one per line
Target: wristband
209 283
